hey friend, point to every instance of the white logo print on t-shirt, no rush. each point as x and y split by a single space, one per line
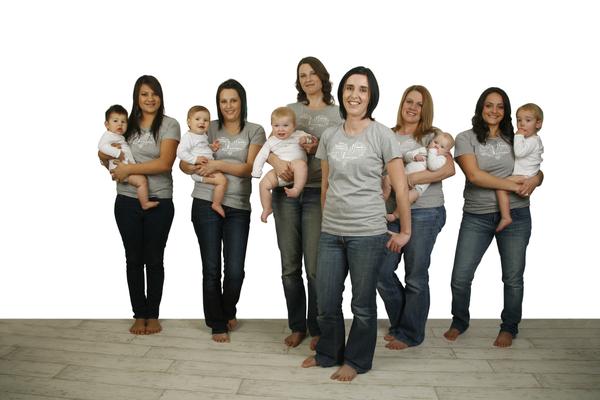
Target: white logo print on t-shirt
343 154
230 147
496 152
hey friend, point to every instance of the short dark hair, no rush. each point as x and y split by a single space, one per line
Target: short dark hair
323 75
481 128
115 109
373 91
235 85
133 125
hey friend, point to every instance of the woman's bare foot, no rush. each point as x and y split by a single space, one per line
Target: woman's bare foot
294 339
138 327
396 344
388 338
218 208
152 326
221 337
292 192
149 204
344 374
265 214
504 339
451 334
232 324
309 362
313 343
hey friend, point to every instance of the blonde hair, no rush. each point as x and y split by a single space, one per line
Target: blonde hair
282 112
534 108
194 109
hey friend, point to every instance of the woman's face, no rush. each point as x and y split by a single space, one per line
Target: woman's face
230 105
309 80
356 95
148 100
493 109
412 106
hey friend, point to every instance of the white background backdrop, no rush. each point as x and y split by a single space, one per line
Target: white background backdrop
63 63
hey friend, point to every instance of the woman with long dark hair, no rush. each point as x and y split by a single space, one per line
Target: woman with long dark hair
153 139
240 142
485 155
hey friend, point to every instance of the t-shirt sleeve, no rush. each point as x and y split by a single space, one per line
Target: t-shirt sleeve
321 153
257 136
464 144
390 147
170 129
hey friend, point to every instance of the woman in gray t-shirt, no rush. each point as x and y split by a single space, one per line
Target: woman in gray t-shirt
485 155
354 232
408 305
298 220
240 142
153 138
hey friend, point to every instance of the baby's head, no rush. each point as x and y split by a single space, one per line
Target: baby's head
442 142
115 119
198 119
529 119
283 121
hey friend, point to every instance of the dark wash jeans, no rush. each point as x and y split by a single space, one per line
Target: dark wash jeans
362 257
475 235
144 235
298 226
229 234
408 305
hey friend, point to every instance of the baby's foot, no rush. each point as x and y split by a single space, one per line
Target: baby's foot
265 214
149 204
218 208
390 217
504 222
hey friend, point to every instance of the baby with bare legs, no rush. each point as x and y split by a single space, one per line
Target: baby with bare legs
286 143
195 149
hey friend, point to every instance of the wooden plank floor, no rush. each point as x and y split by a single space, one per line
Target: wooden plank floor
99 359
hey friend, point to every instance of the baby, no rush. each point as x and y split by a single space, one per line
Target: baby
285 142
112 143
432 158
194 149
528 150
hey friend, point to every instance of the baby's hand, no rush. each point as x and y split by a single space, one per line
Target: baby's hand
419 157
116 145
215 146
201 160
520 131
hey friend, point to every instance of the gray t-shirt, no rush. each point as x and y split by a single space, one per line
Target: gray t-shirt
234 149
315 122
494 157
354 203
144 148
433 196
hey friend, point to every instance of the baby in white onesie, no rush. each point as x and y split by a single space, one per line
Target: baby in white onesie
285 142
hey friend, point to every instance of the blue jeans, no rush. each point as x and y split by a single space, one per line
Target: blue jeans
475 235
362 256
232 232
144 234
298 225
408 306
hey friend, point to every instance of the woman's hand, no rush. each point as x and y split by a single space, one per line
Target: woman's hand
397 241
120 172
310 144
208 168
528 186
